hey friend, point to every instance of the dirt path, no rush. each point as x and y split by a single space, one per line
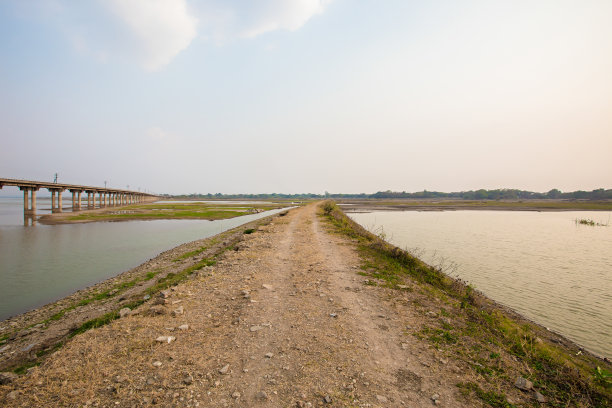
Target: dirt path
285 320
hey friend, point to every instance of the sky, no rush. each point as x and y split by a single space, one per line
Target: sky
345 96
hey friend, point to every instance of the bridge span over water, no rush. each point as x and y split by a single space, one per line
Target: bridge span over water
106 196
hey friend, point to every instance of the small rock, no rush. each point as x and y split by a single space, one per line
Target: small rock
12 395
382 399
327 399
157 364
188 380
179 311
3 349
523 384
269 287
431 314
125 312
333 314
157 310
403 286
7 377
183 327
261 395
147 297
435 397
539 397
269 355
255 328
165 339
236 395
160 301
224 370
165 293
405 346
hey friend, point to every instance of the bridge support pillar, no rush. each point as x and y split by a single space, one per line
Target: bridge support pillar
26 199
79 199
60 207
52 200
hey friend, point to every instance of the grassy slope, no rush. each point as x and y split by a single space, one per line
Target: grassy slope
495 344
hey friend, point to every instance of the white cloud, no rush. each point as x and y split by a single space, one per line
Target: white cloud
282 14
163 28
153 32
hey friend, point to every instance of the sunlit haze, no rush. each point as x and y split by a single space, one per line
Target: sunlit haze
307 95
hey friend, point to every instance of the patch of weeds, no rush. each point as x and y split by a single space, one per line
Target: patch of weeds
173 279
491 398
190 254
603 377
125 285
22 369
97 322
447 326
328 207
439 336
57 315
50 350
249 231
150 275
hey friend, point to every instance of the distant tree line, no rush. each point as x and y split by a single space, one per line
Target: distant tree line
499 194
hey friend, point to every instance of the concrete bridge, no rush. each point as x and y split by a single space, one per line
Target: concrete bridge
106 196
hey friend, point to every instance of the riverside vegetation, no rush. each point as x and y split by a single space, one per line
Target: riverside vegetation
496 343
162 211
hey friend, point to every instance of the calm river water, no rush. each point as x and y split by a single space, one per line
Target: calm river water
540 264
42 263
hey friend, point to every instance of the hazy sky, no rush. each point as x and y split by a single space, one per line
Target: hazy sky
183 96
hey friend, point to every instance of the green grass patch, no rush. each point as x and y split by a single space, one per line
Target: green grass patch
190 254
97 322
491 398
249 231
173 279
150 275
